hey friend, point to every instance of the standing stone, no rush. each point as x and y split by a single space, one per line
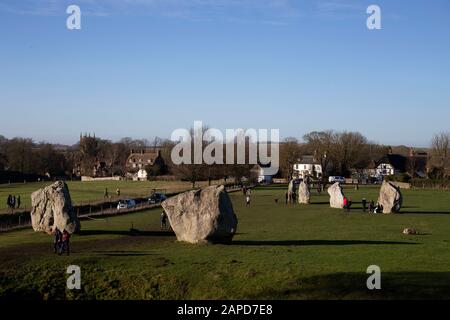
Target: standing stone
336 196
390 198
202 216
291 191
52 208
304 195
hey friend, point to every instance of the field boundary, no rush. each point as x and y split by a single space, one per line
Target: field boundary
22 219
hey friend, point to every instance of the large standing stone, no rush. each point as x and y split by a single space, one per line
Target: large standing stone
336 196
304 195
52 208
390 198
201 216
291 191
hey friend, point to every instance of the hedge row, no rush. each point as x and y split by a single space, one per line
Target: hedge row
430 183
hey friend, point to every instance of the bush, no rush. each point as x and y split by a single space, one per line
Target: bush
401 177
431 183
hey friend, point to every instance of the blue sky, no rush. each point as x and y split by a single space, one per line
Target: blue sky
143 68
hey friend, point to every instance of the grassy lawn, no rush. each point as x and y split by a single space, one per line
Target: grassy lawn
280 252
84 192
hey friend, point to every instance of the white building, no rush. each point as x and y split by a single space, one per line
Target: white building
308 166
391 164
141 175
385 169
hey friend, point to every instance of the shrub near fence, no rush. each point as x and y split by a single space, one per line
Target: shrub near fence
431 184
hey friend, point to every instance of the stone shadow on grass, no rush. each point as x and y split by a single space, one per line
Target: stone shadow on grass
352 285
424 212
119 253
316 243
126 233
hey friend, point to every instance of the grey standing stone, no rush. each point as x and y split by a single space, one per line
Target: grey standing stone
202 216
390 198
304 195
336 196
52 208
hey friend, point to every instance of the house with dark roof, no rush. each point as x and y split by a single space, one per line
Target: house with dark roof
138 160
391 164
308 166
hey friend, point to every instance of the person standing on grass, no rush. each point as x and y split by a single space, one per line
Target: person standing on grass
349 204
287 197
248 198
65 243
163 221
57 240
13 202
345 203
364 204
106 195
18 202
8 201
371 206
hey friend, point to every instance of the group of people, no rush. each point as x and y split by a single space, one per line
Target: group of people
371 208
106 194
13 202
61 242
374 208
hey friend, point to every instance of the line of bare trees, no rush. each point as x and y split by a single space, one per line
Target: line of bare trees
337 153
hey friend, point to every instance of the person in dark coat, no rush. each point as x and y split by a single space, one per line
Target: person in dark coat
364 204
18 202
57 240
164 221
13 202
372 207
65 243
8 202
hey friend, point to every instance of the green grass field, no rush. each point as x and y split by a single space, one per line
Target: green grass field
280 252
85 192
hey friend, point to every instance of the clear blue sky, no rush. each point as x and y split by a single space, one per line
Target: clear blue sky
146 67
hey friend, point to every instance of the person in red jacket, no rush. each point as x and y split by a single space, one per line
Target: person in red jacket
345 203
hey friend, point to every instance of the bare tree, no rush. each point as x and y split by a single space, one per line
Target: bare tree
440 153
290 153
321 145
348 147
20 155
